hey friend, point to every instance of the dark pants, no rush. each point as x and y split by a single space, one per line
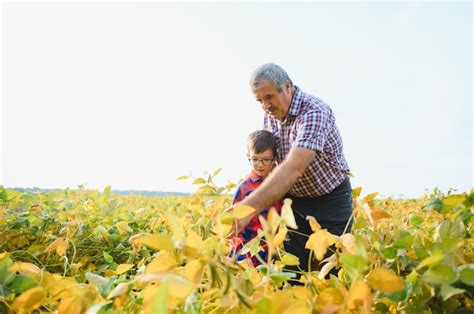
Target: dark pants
332 211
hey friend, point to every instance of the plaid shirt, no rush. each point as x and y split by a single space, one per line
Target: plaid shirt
248 233
311 124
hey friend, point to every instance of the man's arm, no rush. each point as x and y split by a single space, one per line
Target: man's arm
281 179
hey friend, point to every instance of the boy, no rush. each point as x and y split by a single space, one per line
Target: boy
262 152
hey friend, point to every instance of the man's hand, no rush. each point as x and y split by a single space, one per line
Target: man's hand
242 223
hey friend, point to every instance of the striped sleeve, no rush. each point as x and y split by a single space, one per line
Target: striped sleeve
312 130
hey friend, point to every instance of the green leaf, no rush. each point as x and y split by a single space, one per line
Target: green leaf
440 274
390 252
454 200
21 283
217 172
435 204
469 199
448 291
405 240
107 190
253 246
199 181
6 276
449 230
107 257
416 221
467 275
355 264
452 244
432 260
280 277
412 277
182 178
398 296
206 189
160 304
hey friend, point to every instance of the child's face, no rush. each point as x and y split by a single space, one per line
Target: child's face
262 163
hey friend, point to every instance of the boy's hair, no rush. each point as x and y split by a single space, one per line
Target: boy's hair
261 140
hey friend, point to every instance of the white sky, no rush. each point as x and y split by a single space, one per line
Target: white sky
135 95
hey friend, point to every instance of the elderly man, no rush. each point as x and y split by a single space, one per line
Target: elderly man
313 171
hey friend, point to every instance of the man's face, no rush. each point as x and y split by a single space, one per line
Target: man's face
275 103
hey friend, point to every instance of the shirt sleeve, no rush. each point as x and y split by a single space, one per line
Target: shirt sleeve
238 195
312 130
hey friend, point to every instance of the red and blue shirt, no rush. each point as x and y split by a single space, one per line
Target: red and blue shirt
248 233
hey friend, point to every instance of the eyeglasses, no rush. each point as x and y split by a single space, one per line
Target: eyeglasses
264 161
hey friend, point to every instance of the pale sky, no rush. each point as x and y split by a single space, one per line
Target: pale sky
136 95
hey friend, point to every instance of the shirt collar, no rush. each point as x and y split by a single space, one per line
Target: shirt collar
254 177
296 102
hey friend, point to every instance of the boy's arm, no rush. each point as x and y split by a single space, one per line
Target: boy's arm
238 195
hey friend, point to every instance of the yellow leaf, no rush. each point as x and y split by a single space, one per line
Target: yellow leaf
281 300
59 245
199 181
368 212
76 299
287 214
302 293
226 230
30 300
4 255
123 227
180 288
241 211
330 296
313 223
454 200
123 268
280 236
371 196
227 218
385 280
193 271
432 260
273 219
319 242
157 241
177 228
360 297
60 284
378 213
206 189
347 244
161 263
25 268
290 259
326 269
149 295
356 192
194 240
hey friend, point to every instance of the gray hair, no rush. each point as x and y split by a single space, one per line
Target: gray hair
272 73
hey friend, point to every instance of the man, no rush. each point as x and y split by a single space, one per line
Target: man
313 171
